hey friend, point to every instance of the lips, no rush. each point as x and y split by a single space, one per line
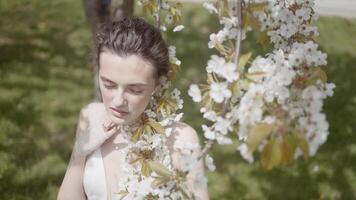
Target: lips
119 113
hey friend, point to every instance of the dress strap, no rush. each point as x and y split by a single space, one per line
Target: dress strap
94 179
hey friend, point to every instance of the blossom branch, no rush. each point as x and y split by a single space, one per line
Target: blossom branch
210 143
225 109
239 31
207 146
159 4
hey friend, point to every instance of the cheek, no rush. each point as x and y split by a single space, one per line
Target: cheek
138 103
107 96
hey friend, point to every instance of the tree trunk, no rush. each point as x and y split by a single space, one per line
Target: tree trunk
99 12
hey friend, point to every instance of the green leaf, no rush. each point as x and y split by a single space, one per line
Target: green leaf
257 6
257 134
148 130
253 75
320 74
235 88
244 59
185 191
135 160
287 151
158 128
276 154
266 154
159 181
137 134
145 169
210 79
303 145
250 21
223 8
160 169
272 154
263 38
316 74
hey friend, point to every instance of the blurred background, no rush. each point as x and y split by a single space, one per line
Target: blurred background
46 78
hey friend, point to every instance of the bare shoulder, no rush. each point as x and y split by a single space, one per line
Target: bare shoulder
88 128
88 113
183 132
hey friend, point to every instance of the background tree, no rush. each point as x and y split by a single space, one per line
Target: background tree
101 12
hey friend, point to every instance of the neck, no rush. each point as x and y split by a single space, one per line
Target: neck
132 126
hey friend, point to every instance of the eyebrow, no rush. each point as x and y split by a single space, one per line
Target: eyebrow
131 84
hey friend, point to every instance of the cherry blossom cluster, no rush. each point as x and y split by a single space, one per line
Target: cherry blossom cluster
274 104
138 185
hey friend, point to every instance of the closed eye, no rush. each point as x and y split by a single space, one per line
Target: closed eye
135 91
109 86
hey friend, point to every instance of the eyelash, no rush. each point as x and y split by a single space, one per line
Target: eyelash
109 86
130 90
135 91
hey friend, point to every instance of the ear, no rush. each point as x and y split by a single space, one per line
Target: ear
157 87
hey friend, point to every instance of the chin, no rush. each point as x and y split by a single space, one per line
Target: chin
118 121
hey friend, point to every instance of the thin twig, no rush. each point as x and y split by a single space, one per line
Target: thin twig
159 2
207 146
239 31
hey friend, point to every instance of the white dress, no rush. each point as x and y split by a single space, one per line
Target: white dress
94 177
89 144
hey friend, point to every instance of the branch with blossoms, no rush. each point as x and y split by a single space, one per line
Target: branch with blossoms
150 173
273 103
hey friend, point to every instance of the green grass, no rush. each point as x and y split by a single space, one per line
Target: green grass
45 80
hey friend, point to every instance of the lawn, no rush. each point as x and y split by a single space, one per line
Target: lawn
45 79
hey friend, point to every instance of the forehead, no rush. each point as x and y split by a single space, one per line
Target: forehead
126 69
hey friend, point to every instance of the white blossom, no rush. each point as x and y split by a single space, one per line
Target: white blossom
223 125
218 66
184 146
210 7
209 162
187 162
178 28
303 13
219 91
195 93
245 153
215 63
223 140
217 39
210 115
172 55
208 133
163 28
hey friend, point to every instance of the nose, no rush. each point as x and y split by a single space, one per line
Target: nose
119 98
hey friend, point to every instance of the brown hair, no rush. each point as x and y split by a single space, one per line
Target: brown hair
134 36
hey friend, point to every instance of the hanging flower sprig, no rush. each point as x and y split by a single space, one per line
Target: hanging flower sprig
150 172
168 10
274 102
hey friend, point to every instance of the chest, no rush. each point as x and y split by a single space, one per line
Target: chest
114 152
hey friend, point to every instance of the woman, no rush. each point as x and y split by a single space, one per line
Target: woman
131 56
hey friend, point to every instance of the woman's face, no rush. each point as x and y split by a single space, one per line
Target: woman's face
126 85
